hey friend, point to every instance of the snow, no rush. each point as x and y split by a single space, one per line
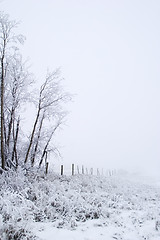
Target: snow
91 230
96 230
80 207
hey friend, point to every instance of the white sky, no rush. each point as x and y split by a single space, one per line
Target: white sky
109 51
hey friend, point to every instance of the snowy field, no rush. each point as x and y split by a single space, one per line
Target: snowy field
80 207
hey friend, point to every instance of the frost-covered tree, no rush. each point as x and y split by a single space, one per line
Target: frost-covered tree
8 50
14 83
16 96
49 117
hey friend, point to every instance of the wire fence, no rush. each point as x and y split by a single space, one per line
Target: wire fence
74 169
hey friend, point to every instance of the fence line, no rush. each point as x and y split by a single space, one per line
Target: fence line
76 170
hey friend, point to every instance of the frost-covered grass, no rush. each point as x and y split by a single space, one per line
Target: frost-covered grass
29 200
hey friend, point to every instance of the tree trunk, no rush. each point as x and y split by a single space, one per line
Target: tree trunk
15 138
10 127
46 146
2 113
32 135
36 146
45 149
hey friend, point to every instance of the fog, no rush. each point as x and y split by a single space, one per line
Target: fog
109 53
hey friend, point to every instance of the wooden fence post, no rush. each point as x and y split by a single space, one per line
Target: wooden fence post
72 169
47 167
82 169
77 169
62 169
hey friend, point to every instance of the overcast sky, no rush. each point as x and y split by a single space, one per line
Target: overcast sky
109 52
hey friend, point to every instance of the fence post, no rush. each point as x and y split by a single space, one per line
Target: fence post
47 167
77 169
72 169
98 172
86 171
91 171
61 169
82 169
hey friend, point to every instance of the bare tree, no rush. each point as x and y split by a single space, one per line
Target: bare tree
8 41
50 104
14 82
16 96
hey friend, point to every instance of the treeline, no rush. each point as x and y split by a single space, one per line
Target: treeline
16 86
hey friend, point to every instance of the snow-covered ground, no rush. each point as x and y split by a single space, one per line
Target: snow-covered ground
80 207
133 207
